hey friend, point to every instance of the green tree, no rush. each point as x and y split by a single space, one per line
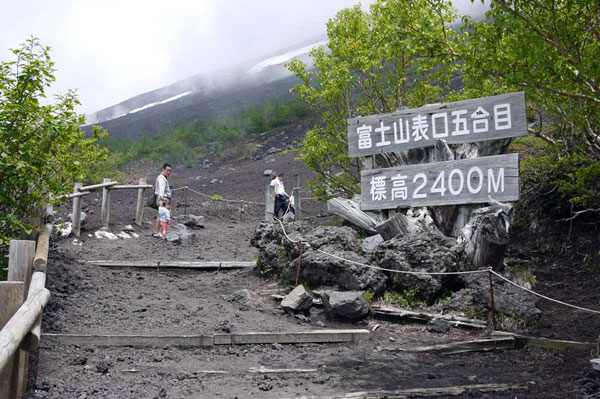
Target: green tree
42 148
400 53
551 50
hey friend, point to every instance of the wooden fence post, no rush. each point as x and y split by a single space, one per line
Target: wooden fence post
77 212
20 268
105 204
269 203
20 262
296 196
11 298
139 211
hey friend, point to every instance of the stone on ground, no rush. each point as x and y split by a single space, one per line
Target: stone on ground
179 233
438 326
348 304
370 244
297 300
82 220
191 221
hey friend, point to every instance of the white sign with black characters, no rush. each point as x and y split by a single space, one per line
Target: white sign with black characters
442 183
486 118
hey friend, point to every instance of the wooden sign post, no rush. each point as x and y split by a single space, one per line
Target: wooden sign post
481 119
465 181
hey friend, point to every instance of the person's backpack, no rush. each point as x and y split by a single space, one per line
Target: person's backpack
152 201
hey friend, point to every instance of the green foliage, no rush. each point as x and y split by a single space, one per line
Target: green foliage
42 148
369 296
405 53
379 61
216 197
558 68
403 298
189 143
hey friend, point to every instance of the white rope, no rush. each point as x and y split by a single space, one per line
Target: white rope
540 295
224 199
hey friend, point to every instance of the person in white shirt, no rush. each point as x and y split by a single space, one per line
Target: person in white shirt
162 191
281 197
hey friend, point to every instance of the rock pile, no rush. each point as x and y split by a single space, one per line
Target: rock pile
337 259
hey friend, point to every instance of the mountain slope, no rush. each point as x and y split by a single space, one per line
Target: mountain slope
221 93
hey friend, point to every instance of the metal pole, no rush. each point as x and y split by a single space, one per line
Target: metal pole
492 298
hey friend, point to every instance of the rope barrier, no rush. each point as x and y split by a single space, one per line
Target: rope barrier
377 267
488 270
229 200
542 296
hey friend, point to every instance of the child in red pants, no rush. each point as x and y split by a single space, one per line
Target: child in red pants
164 215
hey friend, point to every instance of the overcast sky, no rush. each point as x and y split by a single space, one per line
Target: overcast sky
110 50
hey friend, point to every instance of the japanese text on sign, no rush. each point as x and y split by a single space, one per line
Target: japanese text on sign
443 183
465 121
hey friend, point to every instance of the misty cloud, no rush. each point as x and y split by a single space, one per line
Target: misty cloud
111 50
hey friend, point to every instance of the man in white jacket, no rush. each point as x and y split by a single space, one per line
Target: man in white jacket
162 191
281 197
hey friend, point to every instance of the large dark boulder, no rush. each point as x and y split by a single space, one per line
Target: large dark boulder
348 305
426 252
319 269
508 300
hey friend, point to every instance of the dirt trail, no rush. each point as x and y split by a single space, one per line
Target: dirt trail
92 299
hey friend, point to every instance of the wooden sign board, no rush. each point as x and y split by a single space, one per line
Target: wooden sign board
480 119
467 181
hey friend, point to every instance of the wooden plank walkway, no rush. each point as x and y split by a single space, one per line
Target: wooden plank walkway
175 264
249 338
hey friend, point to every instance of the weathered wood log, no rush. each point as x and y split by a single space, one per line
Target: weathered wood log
77 212
350 210
11 298
106 205
393 226
32 340
20 262
459 390
486 236
20 324
130 186
456 321
139 210
525 341
41 252
97 186
478 345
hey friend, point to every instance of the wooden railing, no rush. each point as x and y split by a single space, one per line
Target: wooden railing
107 186
22 299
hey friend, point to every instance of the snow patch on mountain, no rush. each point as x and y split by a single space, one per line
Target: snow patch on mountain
281 58
133 111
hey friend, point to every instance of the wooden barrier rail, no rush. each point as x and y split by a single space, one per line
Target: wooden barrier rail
107 186
22 299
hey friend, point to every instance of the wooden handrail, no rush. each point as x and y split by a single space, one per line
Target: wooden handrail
20 324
